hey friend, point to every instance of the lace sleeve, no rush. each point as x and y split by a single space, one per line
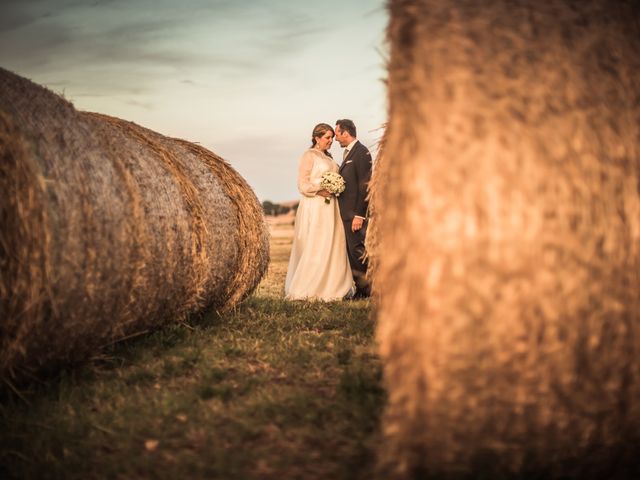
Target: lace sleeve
306 186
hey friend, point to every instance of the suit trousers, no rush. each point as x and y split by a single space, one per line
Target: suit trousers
355 249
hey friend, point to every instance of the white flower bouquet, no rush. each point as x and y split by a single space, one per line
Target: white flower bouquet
333 183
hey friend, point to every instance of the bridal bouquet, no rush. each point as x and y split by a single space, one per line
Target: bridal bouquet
333 183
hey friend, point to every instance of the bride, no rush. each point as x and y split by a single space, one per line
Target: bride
319 266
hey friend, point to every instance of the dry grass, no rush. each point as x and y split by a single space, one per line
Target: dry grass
281 231
271 390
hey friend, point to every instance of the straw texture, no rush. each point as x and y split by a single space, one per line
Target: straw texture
506 243
110 229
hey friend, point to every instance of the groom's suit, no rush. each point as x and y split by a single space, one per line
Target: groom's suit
356 171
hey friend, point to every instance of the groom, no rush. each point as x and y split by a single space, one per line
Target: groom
356 171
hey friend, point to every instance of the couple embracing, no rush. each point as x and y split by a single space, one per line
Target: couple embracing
326 260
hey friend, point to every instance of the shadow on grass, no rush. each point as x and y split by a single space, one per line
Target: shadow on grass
274 389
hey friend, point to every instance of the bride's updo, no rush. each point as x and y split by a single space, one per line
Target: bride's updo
318 131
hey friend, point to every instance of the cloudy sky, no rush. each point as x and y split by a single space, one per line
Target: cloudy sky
247 79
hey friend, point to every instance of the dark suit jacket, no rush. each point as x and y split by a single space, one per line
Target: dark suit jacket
356 171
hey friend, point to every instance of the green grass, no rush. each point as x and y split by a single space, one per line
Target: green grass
276 389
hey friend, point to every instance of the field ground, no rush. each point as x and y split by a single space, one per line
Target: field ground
275 389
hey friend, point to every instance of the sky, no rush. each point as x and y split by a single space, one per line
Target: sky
247 79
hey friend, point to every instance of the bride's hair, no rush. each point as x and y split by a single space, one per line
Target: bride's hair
318 131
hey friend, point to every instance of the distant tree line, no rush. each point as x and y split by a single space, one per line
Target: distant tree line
271 208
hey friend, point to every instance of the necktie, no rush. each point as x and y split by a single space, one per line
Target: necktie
344 154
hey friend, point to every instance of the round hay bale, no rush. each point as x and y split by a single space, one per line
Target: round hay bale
110 229
507 240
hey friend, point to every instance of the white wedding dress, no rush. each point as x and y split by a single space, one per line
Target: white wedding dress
318 267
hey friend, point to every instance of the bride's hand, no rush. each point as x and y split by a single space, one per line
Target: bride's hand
323 193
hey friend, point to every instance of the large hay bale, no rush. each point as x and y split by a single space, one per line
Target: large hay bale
507 239
109 229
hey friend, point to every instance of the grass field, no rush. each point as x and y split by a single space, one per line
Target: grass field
276 389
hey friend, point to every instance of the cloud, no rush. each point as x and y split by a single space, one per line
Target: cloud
145 105
16 14
161 37
233 39
234 70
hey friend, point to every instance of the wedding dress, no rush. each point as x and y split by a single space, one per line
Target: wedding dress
319 265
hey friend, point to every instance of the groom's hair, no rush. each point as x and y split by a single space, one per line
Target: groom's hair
348 126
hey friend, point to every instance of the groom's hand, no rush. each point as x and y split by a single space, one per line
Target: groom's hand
356 223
